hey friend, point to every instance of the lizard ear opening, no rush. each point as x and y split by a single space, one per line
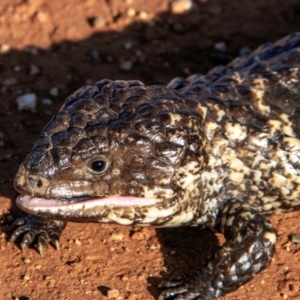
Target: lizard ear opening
98 165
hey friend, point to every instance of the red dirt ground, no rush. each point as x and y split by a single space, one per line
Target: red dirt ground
66 44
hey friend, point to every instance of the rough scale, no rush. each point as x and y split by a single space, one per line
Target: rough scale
219 151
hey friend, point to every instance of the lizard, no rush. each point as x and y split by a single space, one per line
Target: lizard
220 151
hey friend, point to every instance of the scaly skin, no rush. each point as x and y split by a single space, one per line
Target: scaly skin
219 151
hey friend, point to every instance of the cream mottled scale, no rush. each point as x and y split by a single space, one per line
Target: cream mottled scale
219 151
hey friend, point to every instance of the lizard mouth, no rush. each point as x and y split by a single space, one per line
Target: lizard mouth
124 210
26 202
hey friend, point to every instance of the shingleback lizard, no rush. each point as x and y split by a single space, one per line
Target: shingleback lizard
219 151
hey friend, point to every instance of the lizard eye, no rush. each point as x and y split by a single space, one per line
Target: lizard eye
99 165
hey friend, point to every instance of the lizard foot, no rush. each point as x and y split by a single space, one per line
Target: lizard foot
188 287
33 229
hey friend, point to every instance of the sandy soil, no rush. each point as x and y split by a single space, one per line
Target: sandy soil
51 48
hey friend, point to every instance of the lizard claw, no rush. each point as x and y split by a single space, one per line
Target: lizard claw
23 247
57 245
41 249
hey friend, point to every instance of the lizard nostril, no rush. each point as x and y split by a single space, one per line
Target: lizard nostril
39 183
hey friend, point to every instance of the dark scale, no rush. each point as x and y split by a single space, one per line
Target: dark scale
219 151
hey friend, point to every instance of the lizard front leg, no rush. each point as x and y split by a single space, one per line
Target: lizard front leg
250 244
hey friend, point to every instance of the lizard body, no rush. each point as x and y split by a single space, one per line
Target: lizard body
219 151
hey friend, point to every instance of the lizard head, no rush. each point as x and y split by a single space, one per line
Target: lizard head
117 152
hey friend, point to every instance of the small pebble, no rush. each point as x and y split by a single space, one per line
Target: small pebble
133 296
32 50
113 293
26 277
7 156
10 81
131 12
54 91
117 236
34 70
42 17
128 45
138 53
178 27
138 236
94 55
27 102
9 218
181 6
143 15
295 238
17 68
78 242
126 65
99 22
141 277
47 101
4 48
109 58
151 23
38 267
90 81
27 261
187 71
220 46
52 282
153 247
215 10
